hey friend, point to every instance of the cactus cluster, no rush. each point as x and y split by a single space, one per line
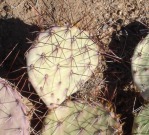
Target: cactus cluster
140 67
79 118
60 61
13 120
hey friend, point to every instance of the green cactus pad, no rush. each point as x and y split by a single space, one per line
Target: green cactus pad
141 122
140 67
13 120
59 62
76 118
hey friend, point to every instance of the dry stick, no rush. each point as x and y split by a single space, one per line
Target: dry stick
12 63
8 55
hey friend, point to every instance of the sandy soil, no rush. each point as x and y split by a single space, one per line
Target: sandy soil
117 26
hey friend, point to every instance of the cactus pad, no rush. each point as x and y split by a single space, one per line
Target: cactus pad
60 61
141 122
76 118
140 67
13 120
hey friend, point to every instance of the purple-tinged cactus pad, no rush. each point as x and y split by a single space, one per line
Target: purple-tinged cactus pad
59 62
13 120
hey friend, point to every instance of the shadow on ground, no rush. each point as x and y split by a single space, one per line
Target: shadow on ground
15 40
118 73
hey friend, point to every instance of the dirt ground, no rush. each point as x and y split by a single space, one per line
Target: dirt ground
117 26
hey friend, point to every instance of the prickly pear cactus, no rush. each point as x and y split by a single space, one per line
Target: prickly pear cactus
13 120
141 122
140 67
59 62
76 118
